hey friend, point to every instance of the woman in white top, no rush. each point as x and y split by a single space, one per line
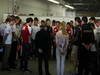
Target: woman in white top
61 48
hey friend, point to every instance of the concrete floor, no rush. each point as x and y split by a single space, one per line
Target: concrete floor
33 66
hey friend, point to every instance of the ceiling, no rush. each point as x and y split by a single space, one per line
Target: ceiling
85 5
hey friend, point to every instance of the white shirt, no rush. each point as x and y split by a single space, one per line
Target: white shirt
97 38
8 30
35 29
97 33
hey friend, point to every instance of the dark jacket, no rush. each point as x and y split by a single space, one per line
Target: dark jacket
87 34
50 32
77 35
42 40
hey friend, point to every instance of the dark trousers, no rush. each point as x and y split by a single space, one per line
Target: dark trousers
43 57
5 59
93 63
69 50
98 63
2 52
33 48
87 62
1 56
25 56
13 53
83 68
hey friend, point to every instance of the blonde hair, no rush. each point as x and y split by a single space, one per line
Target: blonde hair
63 28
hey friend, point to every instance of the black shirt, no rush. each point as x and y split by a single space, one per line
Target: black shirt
77 35
42 40
87 34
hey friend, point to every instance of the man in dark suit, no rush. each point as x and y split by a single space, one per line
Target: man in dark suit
42 41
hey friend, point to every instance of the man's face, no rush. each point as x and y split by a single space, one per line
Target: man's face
12 22
42 23
83 22
48 22
57 24
91 21
76 23
71 23
17 21
35 22
31 23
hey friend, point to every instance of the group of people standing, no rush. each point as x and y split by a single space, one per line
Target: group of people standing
78 40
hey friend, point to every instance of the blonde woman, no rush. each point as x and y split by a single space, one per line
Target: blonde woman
61 48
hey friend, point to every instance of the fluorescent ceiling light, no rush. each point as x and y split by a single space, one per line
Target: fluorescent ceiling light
53 1
68 6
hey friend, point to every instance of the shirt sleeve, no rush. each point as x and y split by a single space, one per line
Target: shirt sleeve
30 30
7 30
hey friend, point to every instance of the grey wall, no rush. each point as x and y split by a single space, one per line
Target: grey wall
38 7
5 7
41 8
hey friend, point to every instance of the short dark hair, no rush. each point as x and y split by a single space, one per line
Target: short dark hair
43 21
85 19
58 22
36 19
68 23
92 18
48 19
71 21
17 17
29 20
78 19
10 18
53 21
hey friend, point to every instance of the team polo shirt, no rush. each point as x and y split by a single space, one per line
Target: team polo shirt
26 32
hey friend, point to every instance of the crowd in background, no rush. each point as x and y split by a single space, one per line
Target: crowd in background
77 41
